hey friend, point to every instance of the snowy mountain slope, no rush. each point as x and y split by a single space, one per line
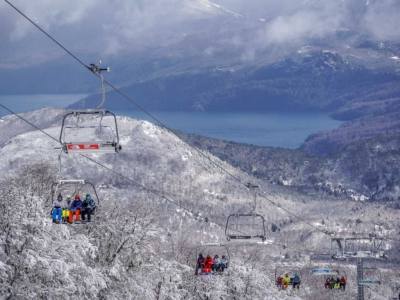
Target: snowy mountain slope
153 157
158 256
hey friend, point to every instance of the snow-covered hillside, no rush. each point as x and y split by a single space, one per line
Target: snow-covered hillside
144 247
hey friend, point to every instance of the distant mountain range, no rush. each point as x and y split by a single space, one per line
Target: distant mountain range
362 170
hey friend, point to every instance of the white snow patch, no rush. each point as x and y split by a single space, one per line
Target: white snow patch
305 49
287 182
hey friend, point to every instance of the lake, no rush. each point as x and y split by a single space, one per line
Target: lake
287 130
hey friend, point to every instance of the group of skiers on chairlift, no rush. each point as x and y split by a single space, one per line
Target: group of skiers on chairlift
208 265
70 211
283 282
336 283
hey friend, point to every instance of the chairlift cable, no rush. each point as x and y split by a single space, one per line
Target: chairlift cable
158 121
153 191
118 91
138 106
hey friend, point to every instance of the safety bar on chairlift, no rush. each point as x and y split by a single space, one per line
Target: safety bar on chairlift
73 181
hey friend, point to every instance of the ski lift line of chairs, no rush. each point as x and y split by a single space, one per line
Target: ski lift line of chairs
212 259
245 227
357 247
66 193
84 132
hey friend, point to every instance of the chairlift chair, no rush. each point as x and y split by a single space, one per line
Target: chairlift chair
90 131
322 274
245 227
281 270
357 247
213 249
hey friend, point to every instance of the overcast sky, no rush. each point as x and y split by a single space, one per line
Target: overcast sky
111 27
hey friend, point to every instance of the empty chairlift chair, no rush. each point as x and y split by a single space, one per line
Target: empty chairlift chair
357 247
245 227
89 131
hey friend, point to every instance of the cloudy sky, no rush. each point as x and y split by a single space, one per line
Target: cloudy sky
112 27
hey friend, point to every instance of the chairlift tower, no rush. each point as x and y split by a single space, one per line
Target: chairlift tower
360 277
359 248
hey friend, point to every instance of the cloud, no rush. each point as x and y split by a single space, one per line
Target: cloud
298 27
105 26
47 13
382 20
113 27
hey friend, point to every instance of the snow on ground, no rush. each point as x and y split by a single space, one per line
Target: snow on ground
162 262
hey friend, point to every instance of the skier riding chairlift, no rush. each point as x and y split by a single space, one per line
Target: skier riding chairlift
66 190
